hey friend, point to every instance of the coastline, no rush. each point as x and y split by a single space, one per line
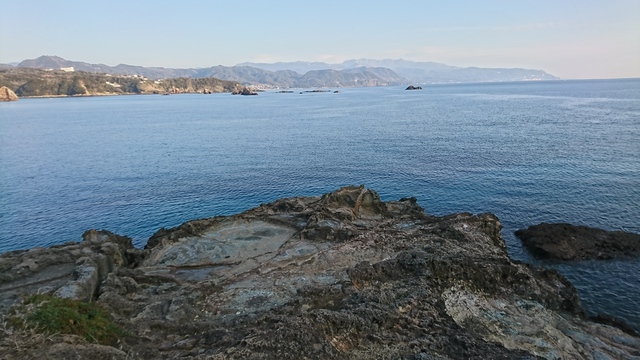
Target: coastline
338 275
110 94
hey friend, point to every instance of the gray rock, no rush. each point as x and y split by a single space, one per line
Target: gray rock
570 242
338 276
71 270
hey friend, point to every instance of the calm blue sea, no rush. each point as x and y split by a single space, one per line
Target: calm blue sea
529 152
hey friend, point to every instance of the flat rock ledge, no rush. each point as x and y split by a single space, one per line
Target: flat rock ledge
338 276
560 241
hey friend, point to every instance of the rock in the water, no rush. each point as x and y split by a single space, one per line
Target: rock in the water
7 94
411 87
570 242
244 91
339 276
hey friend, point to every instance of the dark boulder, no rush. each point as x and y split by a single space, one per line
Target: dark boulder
244 91
411 87
570 242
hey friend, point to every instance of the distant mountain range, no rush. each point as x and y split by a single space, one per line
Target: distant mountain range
418 72
248 75
350 73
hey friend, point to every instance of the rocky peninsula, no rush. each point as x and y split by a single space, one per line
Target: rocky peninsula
338 276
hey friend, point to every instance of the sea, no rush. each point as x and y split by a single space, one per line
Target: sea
530 152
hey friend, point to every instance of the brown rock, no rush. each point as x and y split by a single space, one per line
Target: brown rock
247 91
7 94
244 91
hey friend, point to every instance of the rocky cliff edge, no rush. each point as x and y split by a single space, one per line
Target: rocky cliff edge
338 276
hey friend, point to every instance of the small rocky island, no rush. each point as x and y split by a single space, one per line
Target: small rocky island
562 241
338 276
244 91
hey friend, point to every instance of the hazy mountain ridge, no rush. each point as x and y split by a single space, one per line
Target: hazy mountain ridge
303 66
56 63
350 73
420 72
362 76
247 75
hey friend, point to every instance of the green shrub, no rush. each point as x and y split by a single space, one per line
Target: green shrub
53 315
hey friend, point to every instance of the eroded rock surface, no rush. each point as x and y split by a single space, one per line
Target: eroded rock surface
341 276
571 242
7 94
72 270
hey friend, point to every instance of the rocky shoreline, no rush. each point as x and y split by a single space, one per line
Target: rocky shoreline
338 276
25 82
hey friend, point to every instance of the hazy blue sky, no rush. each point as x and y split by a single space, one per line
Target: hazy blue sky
570 39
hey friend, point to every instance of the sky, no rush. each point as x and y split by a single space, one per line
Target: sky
571 39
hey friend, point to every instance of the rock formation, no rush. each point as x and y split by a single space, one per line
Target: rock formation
7 94
411 87
569 242
338 276
244 91
71 270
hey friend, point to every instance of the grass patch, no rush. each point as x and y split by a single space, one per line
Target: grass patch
53 315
